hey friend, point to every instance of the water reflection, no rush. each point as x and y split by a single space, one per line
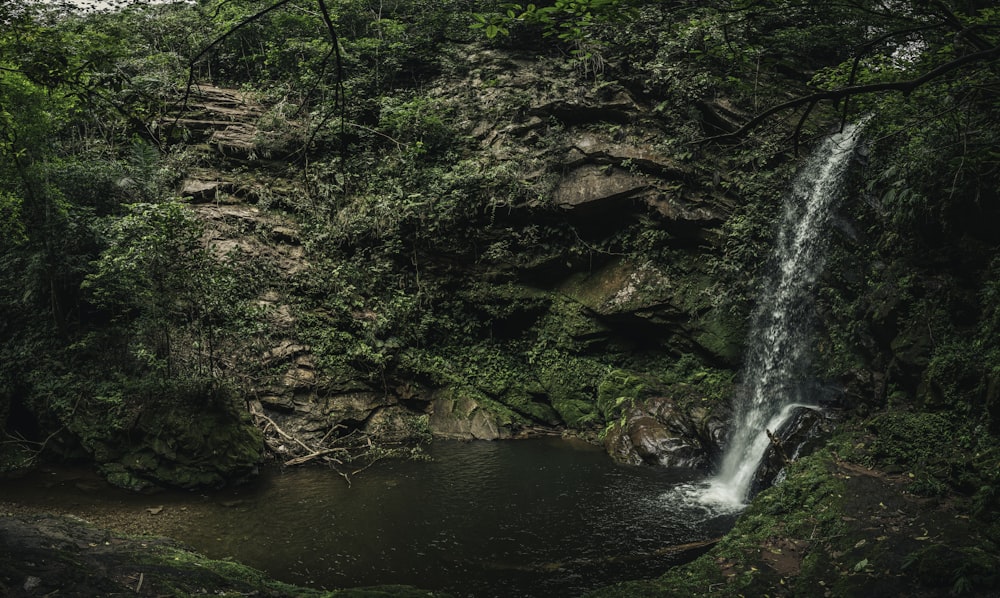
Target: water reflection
540 517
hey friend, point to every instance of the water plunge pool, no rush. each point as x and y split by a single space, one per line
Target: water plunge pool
538 517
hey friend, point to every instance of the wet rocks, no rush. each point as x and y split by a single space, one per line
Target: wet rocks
786 445
657 431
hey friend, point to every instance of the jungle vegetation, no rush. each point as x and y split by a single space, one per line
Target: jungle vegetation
428 256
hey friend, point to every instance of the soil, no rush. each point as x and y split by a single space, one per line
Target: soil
893 539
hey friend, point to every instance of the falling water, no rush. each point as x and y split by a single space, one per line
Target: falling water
777 353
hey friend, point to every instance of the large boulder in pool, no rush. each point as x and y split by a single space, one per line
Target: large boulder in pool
658 431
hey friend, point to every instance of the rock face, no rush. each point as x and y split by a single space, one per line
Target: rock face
226 119
640 297
591 157
462 418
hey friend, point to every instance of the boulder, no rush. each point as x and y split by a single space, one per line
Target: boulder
201 191
786 445
659 432
397 424
621 286
655 442
462 418
593 190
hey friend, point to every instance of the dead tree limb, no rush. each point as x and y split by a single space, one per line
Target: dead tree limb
778 446
283 433
905 87
316 455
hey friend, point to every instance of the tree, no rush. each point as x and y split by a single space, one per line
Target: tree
859 48
922 44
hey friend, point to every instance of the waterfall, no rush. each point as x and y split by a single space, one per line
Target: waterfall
777 360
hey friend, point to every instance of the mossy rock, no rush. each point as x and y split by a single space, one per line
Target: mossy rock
187 449
577 413
722 335
461 413
532 406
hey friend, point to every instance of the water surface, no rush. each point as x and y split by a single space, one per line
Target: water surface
539 517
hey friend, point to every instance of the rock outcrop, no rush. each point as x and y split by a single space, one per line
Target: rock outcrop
658 431
591 155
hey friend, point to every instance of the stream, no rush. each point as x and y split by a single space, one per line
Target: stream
536 517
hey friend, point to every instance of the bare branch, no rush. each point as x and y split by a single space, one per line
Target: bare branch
905 87
191 63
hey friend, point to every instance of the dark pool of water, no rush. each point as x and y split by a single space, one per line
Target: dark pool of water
540 517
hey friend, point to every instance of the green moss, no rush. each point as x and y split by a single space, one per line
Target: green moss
722 334
177 571
694 383
117 475
956 377
174 571
186 448
571 385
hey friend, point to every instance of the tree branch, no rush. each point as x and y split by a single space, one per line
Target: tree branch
219 40
906 87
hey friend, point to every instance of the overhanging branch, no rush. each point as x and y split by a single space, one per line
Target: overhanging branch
906 87
191 64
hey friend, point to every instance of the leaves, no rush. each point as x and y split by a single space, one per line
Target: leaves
569 20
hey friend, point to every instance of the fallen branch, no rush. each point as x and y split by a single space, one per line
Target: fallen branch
776 442
333 429
24 443
316 455
283 433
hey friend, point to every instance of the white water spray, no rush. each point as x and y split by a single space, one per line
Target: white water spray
777 354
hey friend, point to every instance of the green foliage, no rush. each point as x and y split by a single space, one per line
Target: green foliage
617 392
148 252
706 384
955 378
570 383
493 24
962 570
569 20
10 217
420 123
932 449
